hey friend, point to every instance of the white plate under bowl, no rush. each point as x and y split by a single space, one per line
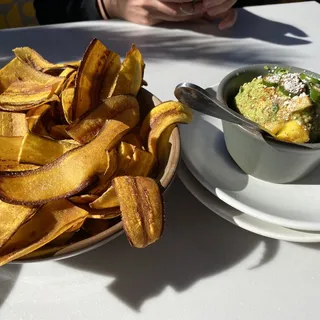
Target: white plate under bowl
239 218
295 205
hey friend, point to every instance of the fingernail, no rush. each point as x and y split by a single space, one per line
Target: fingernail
187 9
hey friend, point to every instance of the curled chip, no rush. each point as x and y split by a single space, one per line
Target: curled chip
13 124
20 96
39 150
52 220
88 81
122 108
11 218
67 175
9 150
35 119
130 77
141 209
160 118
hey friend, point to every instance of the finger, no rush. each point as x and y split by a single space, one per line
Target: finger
177 1
212 3
214 11
175 10
229 20
178 19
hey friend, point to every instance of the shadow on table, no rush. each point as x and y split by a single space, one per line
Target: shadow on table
196 244
8 277
250 25
67 42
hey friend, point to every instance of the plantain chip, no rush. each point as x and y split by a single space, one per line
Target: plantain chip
121 108
141 209
134 139
13 124
130 76
65 176
161 117
20 96
17 70
84 198
37 62
112 69
9 149
34 119
89 78
104 214
164 146
133 162
40 150
52 220
107 200
12 217
59 132
66 102
105 178
94 227
17 167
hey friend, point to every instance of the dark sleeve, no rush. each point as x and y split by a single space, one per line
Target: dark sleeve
59 11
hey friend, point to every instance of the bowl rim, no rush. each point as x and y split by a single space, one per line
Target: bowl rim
282 145
116 230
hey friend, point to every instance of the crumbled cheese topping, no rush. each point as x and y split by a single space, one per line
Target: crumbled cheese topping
291 83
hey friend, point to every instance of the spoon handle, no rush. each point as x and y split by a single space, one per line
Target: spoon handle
198 99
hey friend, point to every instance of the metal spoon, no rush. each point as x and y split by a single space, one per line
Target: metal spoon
198 99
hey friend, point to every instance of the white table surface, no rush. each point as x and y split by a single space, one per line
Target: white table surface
203 267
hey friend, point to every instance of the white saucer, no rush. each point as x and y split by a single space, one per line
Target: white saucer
239 218
294 206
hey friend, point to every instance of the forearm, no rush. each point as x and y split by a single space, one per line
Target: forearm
59 11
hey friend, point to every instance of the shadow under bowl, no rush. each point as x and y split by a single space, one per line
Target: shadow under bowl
264 158
167 173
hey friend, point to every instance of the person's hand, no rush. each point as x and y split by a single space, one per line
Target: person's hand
151 12
221 9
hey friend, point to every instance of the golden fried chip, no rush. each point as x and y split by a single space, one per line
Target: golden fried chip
134 139
20 96
17 70
130 76
89 78
40 150
164 146
65 176
52 220
9 149
34 119
17 167
141 209
133 162
104 214
121 108
107 200
66 102
59 132
161 117
105 178
13 124
37 62
82 199
112 69
11 218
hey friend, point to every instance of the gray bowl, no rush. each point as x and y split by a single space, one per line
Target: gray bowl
267 159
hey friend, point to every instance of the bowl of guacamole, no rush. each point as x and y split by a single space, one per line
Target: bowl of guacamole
284 100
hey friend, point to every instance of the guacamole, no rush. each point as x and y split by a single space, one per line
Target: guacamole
283 102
